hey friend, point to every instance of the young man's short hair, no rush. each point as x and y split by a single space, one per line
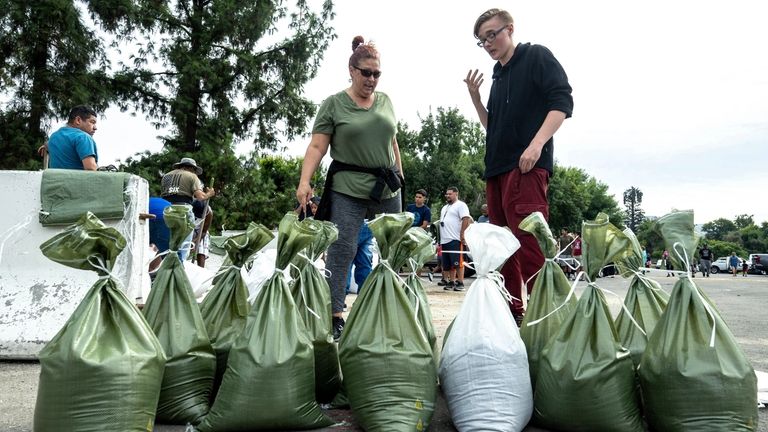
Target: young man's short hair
422 192
82 111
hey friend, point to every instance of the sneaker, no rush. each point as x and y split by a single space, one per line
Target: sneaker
448 286
430 277
338 327
444 282
458 286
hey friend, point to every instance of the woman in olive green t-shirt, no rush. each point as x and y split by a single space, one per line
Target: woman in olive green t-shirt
358 125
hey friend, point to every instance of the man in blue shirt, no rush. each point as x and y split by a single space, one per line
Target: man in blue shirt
422 214
72 146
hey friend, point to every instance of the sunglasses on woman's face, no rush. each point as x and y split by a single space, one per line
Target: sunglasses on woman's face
367 73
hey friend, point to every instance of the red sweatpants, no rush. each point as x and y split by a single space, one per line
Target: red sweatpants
511 197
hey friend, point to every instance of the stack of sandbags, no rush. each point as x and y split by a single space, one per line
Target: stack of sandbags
172 312
386 360
586 379
484 366
644 303
269 383
313 300
552 298
103 369
226 307
693 373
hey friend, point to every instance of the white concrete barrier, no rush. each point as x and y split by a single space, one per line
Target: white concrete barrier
37 295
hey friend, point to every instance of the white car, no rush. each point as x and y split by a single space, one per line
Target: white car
721 264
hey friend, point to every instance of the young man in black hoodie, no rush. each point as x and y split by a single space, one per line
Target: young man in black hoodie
530 97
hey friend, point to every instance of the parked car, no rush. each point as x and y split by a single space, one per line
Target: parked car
721 264
759 263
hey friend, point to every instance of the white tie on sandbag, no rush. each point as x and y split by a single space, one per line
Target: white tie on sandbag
484 366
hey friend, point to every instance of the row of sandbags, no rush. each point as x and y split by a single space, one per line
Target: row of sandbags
228 365
669 363
109 368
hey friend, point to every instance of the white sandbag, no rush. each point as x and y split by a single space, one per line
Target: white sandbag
484 366
262 269
200 278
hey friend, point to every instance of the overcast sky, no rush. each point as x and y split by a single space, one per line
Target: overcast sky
670 96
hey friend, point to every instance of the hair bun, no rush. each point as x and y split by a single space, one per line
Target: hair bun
356 42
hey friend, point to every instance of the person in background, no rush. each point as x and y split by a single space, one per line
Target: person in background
705 257
734 262
72 146
202 239
744 268
363 261
529 99
159 234
576 251
454 220
182 186
565 244
666 262
359 126
421 212
483 214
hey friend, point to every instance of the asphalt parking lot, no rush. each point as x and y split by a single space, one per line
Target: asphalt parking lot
741 300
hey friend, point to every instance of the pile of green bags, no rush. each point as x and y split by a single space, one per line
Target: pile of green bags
386 360
551 300
644 303
586 378
172 312
269 383
693 374
313 300
103 369
225 308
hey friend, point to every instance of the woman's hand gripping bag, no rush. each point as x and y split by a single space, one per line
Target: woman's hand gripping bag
225 308
552 299
694 374
386 361
644 303
172 312
586 379
103 369
313 299
413 250
484 366
269 383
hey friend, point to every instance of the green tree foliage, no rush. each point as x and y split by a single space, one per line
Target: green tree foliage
724 249
650 239
718 228
50 61
575 196
633 197
447 151
744 220
216 70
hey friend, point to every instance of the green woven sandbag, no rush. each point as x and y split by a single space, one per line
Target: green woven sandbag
269 383
313 299
225 307
172 312
586 379
103 369
645 301
411 252
551 300
387 363
694 374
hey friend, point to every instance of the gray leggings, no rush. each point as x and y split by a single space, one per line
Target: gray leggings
348 214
